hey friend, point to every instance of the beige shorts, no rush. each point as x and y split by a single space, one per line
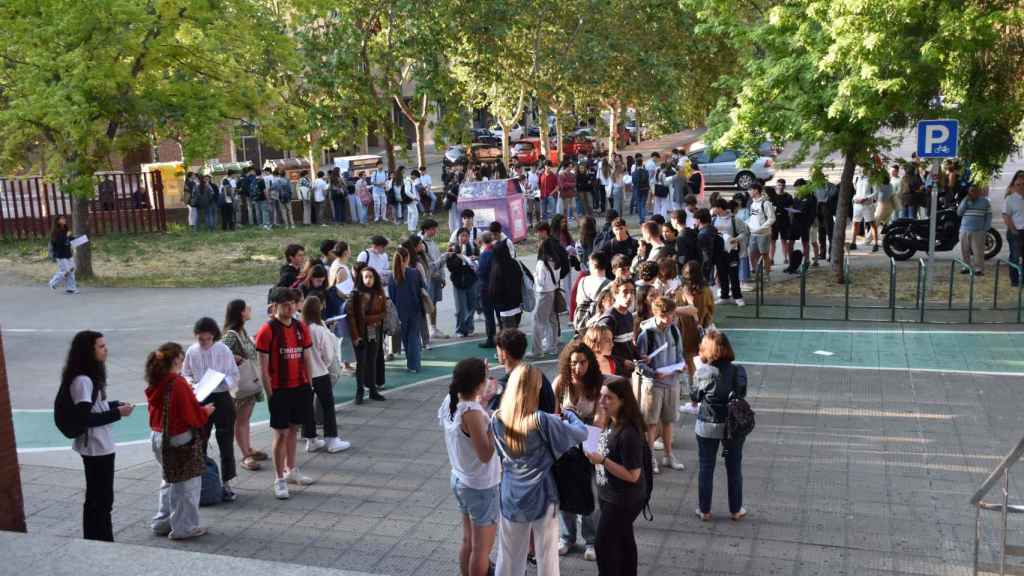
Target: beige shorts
659 404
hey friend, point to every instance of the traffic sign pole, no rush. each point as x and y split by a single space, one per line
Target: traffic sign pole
932 218
936 139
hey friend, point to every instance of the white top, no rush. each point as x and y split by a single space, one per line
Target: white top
379 180
466 465
588 288
320 190
378 262
325 346
101 438
218 357
545 281
762 216
426 181
1014 208
533 185
863 190
345 286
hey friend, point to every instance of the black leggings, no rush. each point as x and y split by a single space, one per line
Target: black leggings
325 397
223 418
616 543
99 498
369 364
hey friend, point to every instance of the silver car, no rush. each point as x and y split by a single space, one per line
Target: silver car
723 169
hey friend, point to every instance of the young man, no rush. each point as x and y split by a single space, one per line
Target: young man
467 222
294 259
428 187
621 242
660 346
710 244
483 274
641 183
532 191
435 283
319 193
500 236
379 181
566 203
686 241
375 257
653 247
548 189
511 349
735 234
284 345
762 218
619 319
284 200
864 197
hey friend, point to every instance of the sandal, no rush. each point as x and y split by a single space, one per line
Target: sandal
250 463
704 517
258 455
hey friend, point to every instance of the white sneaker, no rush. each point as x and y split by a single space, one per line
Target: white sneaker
654 465
314 444
563 548
723 300
435 333
281 489
659 445
670 462
590 555
293 476
740 302
336 444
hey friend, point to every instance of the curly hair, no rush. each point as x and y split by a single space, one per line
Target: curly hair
592 379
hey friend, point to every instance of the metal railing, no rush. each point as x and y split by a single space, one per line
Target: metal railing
892 304
1001 474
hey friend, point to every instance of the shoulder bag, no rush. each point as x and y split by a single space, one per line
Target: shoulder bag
574 475
183 462
249 381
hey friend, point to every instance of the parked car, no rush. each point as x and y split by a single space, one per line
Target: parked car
485 136
484 153
527 152
514 135
579 144
455 155
723 168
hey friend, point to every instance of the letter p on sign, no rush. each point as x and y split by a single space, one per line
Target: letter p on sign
937 138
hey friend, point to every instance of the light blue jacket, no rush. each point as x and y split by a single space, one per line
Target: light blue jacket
527 482
975 214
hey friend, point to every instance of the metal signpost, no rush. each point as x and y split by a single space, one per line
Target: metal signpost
936 139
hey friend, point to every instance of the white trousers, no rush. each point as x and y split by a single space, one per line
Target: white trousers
412 217
380 203
514 545
662 206
65 274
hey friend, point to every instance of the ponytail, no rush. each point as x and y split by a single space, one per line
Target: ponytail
467 377
160 362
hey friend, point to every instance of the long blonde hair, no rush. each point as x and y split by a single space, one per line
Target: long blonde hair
518 409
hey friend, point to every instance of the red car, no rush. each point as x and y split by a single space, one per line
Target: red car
579 144
527 152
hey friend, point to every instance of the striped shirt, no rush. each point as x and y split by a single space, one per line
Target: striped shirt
975 214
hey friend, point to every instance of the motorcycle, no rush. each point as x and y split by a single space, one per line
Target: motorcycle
904 237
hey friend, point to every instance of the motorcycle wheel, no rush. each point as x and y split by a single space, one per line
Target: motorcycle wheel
897 249
993 243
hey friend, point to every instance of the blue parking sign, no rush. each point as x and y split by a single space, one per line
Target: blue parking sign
937 138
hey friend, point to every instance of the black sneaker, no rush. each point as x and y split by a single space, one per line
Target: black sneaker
358 400
853 246
228 495
875 249
487 344
376 396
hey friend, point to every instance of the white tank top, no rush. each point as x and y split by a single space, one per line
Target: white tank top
466 465
345 287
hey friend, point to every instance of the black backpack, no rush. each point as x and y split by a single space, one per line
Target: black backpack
71 421
740 421
642 180
585 313
648 477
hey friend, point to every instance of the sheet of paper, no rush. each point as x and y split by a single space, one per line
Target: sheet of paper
207 384
593 435
335 318
658 350
688 408
78 241
672 368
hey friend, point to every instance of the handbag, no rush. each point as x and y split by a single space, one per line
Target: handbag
183 462
392 325
661 191
249 381
574 475
427 301
560 305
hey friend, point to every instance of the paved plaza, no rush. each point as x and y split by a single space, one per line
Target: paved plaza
853 469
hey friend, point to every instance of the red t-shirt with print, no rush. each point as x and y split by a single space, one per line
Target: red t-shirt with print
285 345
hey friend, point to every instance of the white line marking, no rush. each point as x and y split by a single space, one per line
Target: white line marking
885 368
837 331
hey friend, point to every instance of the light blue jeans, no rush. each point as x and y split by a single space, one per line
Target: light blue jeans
547 206
616 199
566 206
65 275
465 307
178 511
266 217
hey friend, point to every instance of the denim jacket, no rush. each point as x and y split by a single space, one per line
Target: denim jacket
527 483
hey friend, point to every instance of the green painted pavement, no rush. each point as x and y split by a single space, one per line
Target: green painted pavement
967 352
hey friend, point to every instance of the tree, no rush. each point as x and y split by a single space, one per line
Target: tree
844 76
82 80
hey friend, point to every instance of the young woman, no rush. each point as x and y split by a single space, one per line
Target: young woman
315 283
620 487
547 278
529 441
342 281
461 264
84 381
715 382
325 348
396 189
588 234
418 259
506 286
60 248
209 353
406 292
577 388
601 340
244 350
697 294
475 471
178 514
615 197
368 305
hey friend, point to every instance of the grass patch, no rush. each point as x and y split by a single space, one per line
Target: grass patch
180 258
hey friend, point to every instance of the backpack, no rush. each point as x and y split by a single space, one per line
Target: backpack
740 421
258 190
642 180
403 196
648 477
284 193
661 191
212 490
529 290
392 325
585 312
71 421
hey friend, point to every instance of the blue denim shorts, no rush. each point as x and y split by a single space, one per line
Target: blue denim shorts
480 505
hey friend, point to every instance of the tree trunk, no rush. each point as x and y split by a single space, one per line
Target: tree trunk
506 155
80 226
12 505
843 209
544 142
389 151
613 136
559 142
421 144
